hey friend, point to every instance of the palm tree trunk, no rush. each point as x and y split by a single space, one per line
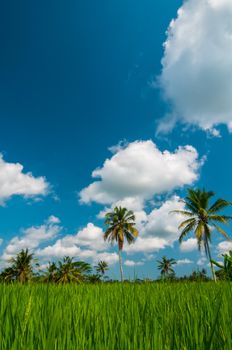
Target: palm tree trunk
211 264
120 263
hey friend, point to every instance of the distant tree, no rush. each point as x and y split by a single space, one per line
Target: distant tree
72 271
94 278
225 272
121 227
102 267
198 275
51 274
21 268
166 267
7 275
202 217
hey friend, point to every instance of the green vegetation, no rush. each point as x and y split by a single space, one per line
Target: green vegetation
166 267
68 306
121 227
116 316
225 272
202 217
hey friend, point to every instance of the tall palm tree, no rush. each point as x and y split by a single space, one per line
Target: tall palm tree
121 227
166 266
72 271
202 217
102 267
21 268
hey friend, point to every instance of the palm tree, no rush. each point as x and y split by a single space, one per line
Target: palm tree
165 266
51 273
7 275
102 267
202 217
121 227
225 271
72 271
21 268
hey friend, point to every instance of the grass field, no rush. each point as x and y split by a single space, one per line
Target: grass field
114 316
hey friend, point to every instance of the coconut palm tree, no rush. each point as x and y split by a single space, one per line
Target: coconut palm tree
202 217
72 271
102 267
51 273
225 271
21 269
121 228
7 275
165 266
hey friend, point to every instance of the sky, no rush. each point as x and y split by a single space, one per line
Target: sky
112 103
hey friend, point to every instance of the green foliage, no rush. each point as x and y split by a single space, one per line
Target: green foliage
166 267
102 267
71 271
120 227
225 269
201 216
116 316
21 268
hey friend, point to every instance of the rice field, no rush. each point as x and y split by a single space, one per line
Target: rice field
113 316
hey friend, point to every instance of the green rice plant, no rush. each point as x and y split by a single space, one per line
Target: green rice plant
105 316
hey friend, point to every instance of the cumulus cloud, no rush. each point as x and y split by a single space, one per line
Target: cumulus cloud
164 224
146 245
160 229
202 261
189 245
13 181
53 220
196 76
184 262
87 243
31 238
224 247
138 171
132 263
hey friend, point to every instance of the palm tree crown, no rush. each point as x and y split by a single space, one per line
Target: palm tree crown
71 271
202 217
21 267
165 266
121 227
102 267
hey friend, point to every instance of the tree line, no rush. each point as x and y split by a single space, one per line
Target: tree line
201 218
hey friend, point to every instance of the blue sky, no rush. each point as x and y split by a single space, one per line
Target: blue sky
79 77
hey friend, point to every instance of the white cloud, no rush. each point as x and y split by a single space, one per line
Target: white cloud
160 229
132 263
13 181
189 245
88 243
161 223
31 238
146 245
133 203
91 236
202 261
184 262
196 76
139 171
53 220
224 247
110 258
